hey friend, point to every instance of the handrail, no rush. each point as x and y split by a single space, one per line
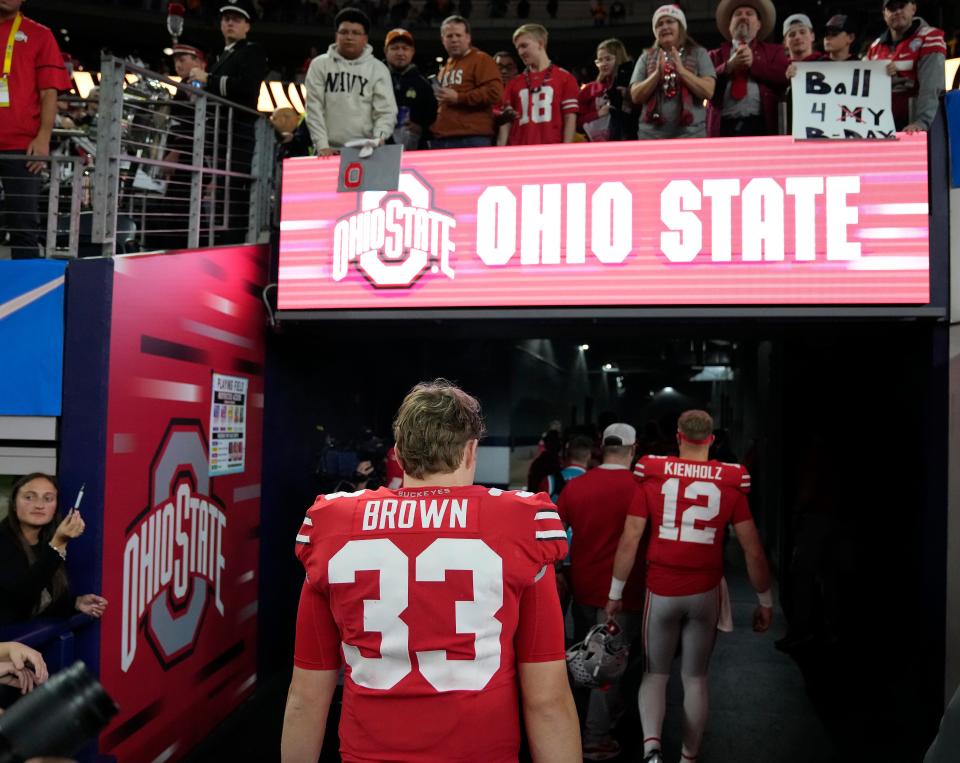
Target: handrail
190 89
176 166
35 633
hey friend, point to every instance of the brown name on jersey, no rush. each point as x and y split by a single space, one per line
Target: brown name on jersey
413 514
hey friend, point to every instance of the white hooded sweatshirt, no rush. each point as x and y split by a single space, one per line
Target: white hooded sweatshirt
349 99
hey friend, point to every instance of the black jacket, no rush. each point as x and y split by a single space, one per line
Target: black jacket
412 90
21 584
236 75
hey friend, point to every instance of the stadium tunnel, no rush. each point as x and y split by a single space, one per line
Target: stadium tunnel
840 423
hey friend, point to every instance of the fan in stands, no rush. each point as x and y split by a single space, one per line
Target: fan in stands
600 659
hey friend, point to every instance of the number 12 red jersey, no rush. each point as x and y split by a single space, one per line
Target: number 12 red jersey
688 505
431 595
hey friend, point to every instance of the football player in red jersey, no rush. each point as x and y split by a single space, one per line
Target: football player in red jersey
688 502
438 599
542 100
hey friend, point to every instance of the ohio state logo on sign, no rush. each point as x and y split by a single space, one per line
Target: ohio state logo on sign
394 237
173 556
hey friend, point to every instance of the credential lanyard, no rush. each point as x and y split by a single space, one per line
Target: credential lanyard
8 56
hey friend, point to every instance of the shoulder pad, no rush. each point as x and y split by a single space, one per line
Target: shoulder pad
342 494
741 477
649 466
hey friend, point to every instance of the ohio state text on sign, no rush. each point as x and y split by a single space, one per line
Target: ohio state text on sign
180 546
749 221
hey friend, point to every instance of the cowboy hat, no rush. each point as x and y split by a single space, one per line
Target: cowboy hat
764 9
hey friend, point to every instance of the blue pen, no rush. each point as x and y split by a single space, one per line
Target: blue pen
76 503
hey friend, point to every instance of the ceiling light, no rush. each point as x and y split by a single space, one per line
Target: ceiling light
584 347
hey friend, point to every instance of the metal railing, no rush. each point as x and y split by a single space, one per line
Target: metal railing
142 163
40 210
176 167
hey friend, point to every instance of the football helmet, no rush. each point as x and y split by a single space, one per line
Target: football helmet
600 659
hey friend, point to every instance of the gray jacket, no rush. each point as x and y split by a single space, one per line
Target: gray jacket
349 99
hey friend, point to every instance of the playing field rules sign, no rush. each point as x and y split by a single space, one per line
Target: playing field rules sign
842 100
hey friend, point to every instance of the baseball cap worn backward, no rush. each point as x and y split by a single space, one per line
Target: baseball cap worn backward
243 7
797 18
619 434
398 35
764 8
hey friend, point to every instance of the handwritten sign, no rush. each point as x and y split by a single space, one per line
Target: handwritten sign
842 100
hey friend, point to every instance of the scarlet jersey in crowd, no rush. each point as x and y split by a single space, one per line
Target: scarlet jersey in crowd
433 595
540 100
595 506
920 40
688 504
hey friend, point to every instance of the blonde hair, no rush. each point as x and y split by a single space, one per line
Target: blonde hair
536 31
695 425
434 424
615 48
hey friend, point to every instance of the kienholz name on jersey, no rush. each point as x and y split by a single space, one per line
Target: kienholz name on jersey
178 540
765 203
697 471
404 514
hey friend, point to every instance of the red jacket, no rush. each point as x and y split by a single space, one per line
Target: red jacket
922 49
769 71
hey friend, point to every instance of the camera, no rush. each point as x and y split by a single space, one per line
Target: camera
56 718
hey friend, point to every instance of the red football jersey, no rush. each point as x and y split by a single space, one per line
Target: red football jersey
595 506
432 595
688 504
540 100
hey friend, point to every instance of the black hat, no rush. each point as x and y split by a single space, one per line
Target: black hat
243 7
898 2
354 16
841 23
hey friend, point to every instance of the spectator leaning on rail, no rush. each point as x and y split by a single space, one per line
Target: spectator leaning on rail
541 101
799 37
915 52
349 92
416 106
469 86
672 80
33 548
32 73
751 74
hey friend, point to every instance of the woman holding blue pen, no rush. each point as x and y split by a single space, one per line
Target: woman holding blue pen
33 549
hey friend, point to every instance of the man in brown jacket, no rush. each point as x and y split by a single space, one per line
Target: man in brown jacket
469 85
